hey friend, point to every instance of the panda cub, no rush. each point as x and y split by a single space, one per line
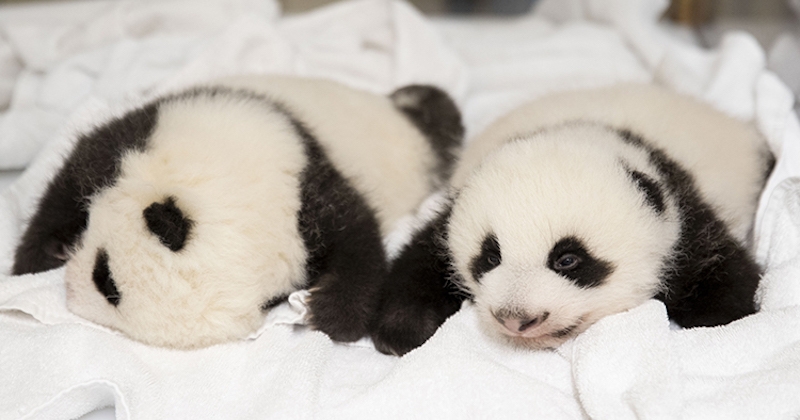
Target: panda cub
184 221
581 205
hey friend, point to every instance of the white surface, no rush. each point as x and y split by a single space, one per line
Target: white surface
7 178
631 365
101 414
784 60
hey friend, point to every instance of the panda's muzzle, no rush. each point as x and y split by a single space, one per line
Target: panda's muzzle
518 324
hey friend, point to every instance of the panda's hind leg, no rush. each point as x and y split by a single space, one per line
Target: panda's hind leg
436 115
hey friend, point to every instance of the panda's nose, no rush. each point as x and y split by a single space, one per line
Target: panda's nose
516 325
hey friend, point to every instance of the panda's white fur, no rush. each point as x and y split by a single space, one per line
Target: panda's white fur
580 205
232 163
557 168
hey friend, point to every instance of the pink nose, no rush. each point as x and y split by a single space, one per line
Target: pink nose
518 325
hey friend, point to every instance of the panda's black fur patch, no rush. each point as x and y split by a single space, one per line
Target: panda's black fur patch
588 272
168 223
103 280
434 114
418 295
489 257
62 212
709 279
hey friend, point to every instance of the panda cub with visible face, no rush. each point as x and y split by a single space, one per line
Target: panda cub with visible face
581 205
184 221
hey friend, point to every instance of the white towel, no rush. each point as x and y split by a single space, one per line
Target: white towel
55 365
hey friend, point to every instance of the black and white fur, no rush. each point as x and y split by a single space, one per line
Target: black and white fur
183 221
581 205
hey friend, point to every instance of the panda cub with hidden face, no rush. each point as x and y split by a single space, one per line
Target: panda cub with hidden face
184 221
581 205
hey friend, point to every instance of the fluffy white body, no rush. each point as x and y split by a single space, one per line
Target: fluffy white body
233 165
573 236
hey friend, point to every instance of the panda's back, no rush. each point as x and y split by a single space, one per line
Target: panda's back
386 158
727 157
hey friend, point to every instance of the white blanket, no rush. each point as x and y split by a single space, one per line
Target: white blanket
70 64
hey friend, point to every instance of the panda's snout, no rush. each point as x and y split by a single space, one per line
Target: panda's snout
519 323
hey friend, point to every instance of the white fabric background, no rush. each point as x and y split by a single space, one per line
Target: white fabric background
66 66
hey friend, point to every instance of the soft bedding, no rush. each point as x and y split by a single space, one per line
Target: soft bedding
66 66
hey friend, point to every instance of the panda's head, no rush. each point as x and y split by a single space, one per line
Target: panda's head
198 235
558 229
141 269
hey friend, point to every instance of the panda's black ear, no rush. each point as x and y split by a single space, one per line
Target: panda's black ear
168 223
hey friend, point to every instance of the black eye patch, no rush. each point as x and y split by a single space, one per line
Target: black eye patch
650 188
167 222
488 258
570 259
101 275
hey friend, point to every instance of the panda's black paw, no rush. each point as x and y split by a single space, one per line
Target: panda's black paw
397 331
338 315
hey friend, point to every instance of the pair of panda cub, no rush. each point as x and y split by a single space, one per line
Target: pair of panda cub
184 221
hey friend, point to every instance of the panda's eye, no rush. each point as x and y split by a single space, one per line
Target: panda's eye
489 257
571 259
567 262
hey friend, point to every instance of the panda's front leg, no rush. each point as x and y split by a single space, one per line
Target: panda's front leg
343 295
718 284
346 267
418 295
346 259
